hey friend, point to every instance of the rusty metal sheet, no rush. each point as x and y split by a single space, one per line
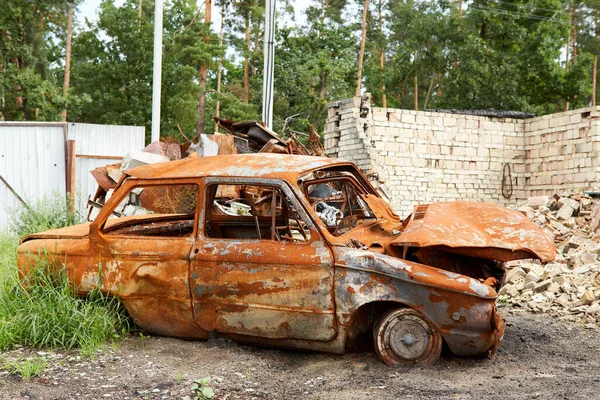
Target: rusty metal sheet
102 178
478 229
170 150
241 165
460 307
69 232
226 144
269 289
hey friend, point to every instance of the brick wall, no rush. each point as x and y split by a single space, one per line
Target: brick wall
422 157
562 152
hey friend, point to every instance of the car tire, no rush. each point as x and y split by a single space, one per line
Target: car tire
404 336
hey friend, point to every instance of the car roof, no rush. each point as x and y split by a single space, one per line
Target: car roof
255 165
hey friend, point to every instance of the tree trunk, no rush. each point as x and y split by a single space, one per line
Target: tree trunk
569 46
218 102
203 72
382 60
416 85
67 76
595 62
313 79
594 80
323 19
574 42
246 61
140 16
429 91
255 51
361 53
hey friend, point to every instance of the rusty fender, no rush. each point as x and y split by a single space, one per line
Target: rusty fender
156 294
462 308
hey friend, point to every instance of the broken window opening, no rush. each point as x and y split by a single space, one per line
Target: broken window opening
253 212
338 202
155 210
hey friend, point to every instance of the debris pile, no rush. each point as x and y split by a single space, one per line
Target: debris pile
568 287
239 137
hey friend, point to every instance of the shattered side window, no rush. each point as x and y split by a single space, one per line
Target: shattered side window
260 212
161 210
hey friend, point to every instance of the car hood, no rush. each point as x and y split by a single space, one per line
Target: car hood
70 232
481 230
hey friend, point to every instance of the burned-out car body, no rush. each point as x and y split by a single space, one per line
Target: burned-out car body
294 251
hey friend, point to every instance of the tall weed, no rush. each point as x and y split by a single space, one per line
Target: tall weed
42 215
43 309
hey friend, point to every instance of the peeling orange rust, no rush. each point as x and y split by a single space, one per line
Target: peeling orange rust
294 251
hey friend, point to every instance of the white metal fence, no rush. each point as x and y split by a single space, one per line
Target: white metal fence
33 159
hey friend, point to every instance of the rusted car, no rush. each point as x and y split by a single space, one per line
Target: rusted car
297 252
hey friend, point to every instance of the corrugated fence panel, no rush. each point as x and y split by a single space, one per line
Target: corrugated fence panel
32 161
93 140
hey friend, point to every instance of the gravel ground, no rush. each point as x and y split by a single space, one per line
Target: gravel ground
541 357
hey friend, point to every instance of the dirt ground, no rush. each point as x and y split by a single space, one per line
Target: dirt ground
541 357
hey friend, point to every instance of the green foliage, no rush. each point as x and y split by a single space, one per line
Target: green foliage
30 82
502 55
27 368
498 54
112 65
201 390
42 215
312 68
179 377
8 251
43 309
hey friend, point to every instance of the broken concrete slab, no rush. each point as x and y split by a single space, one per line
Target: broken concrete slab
537 201
565 212
137 158
566 201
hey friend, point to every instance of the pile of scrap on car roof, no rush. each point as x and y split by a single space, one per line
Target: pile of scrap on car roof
231 138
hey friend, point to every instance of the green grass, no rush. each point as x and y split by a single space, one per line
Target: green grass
43 309
27 368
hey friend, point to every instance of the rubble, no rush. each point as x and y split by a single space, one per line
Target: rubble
238 138
569 286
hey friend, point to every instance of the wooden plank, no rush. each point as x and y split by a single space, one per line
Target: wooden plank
71 171
99 157
14 192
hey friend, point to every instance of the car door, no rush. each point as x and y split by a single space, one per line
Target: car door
260 267
142 243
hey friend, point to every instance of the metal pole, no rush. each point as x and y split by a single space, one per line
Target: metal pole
157 72
269 56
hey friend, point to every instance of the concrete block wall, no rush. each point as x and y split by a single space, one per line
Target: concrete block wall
422 157
562 152
347 133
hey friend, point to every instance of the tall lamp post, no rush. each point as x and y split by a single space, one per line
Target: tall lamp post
157 70
269 56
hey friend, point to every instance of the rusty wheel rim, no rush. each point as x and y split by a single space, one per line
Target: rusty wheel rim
408 339
404 336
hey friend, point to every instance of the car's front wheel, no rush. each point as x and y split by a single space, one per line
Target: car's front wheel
405 336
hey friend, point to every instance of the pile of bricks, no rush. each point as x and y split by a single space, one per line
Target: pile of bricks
568 287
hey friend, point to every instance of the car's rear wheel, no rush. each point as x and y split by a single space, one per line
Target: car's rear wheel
405 336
